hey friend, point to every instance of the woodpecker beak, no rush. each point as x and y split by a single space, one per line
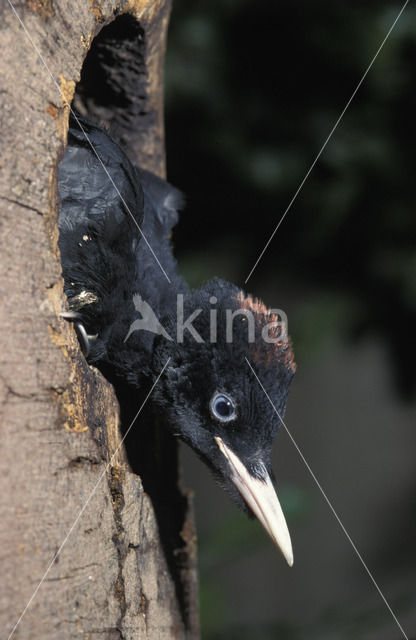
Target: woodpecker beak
262 500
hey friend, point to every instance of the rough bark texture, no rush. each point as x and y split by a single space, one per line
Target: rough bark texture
127 568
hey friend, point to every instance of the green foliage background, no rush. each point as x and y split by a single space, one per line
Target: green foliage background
252 92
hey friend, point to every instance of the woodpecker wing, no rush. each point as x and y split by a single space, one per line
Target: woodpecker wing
102 211
114 225
162 200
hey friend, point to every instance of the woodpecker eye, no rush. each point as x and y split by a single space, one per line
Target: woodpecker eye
223 407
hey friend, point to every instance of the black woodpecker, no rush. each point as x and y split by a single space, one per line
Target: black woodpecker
134 313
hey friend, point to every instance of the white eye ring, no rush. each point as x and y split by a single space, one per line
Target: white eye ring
223 407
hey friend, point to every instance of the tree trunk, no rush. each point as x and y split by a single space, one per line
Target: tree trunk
86 552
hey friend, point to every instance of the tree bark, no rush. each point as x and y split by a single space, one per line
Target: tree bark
86 552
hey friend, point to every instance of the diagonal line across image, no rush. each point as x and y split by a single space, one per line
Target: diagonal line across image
45 64
329 503
167 277
298 190
74 524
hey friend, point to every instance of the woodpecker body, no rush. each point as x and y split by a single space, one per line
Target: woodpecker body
102 248
111 243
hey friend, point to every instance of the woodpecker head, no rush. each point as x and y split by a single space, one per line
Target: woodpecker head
213 393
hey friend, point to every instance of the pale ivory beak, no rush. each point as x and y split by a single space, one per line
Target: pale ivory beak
262 500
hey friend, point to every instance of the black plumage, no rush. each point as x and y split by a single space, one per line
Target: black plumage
115 223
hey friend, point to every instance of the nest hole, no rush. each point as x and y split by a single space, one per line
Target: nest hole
113 88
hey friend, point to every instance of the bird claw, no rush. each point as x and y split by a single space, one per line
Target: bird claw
75 317
71 316
82 338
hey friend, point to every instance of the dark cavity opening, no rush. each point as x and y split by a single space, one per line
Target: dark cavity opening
112 91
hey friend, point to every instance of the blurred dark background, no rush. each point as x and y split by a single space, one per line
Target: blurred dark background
252 92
